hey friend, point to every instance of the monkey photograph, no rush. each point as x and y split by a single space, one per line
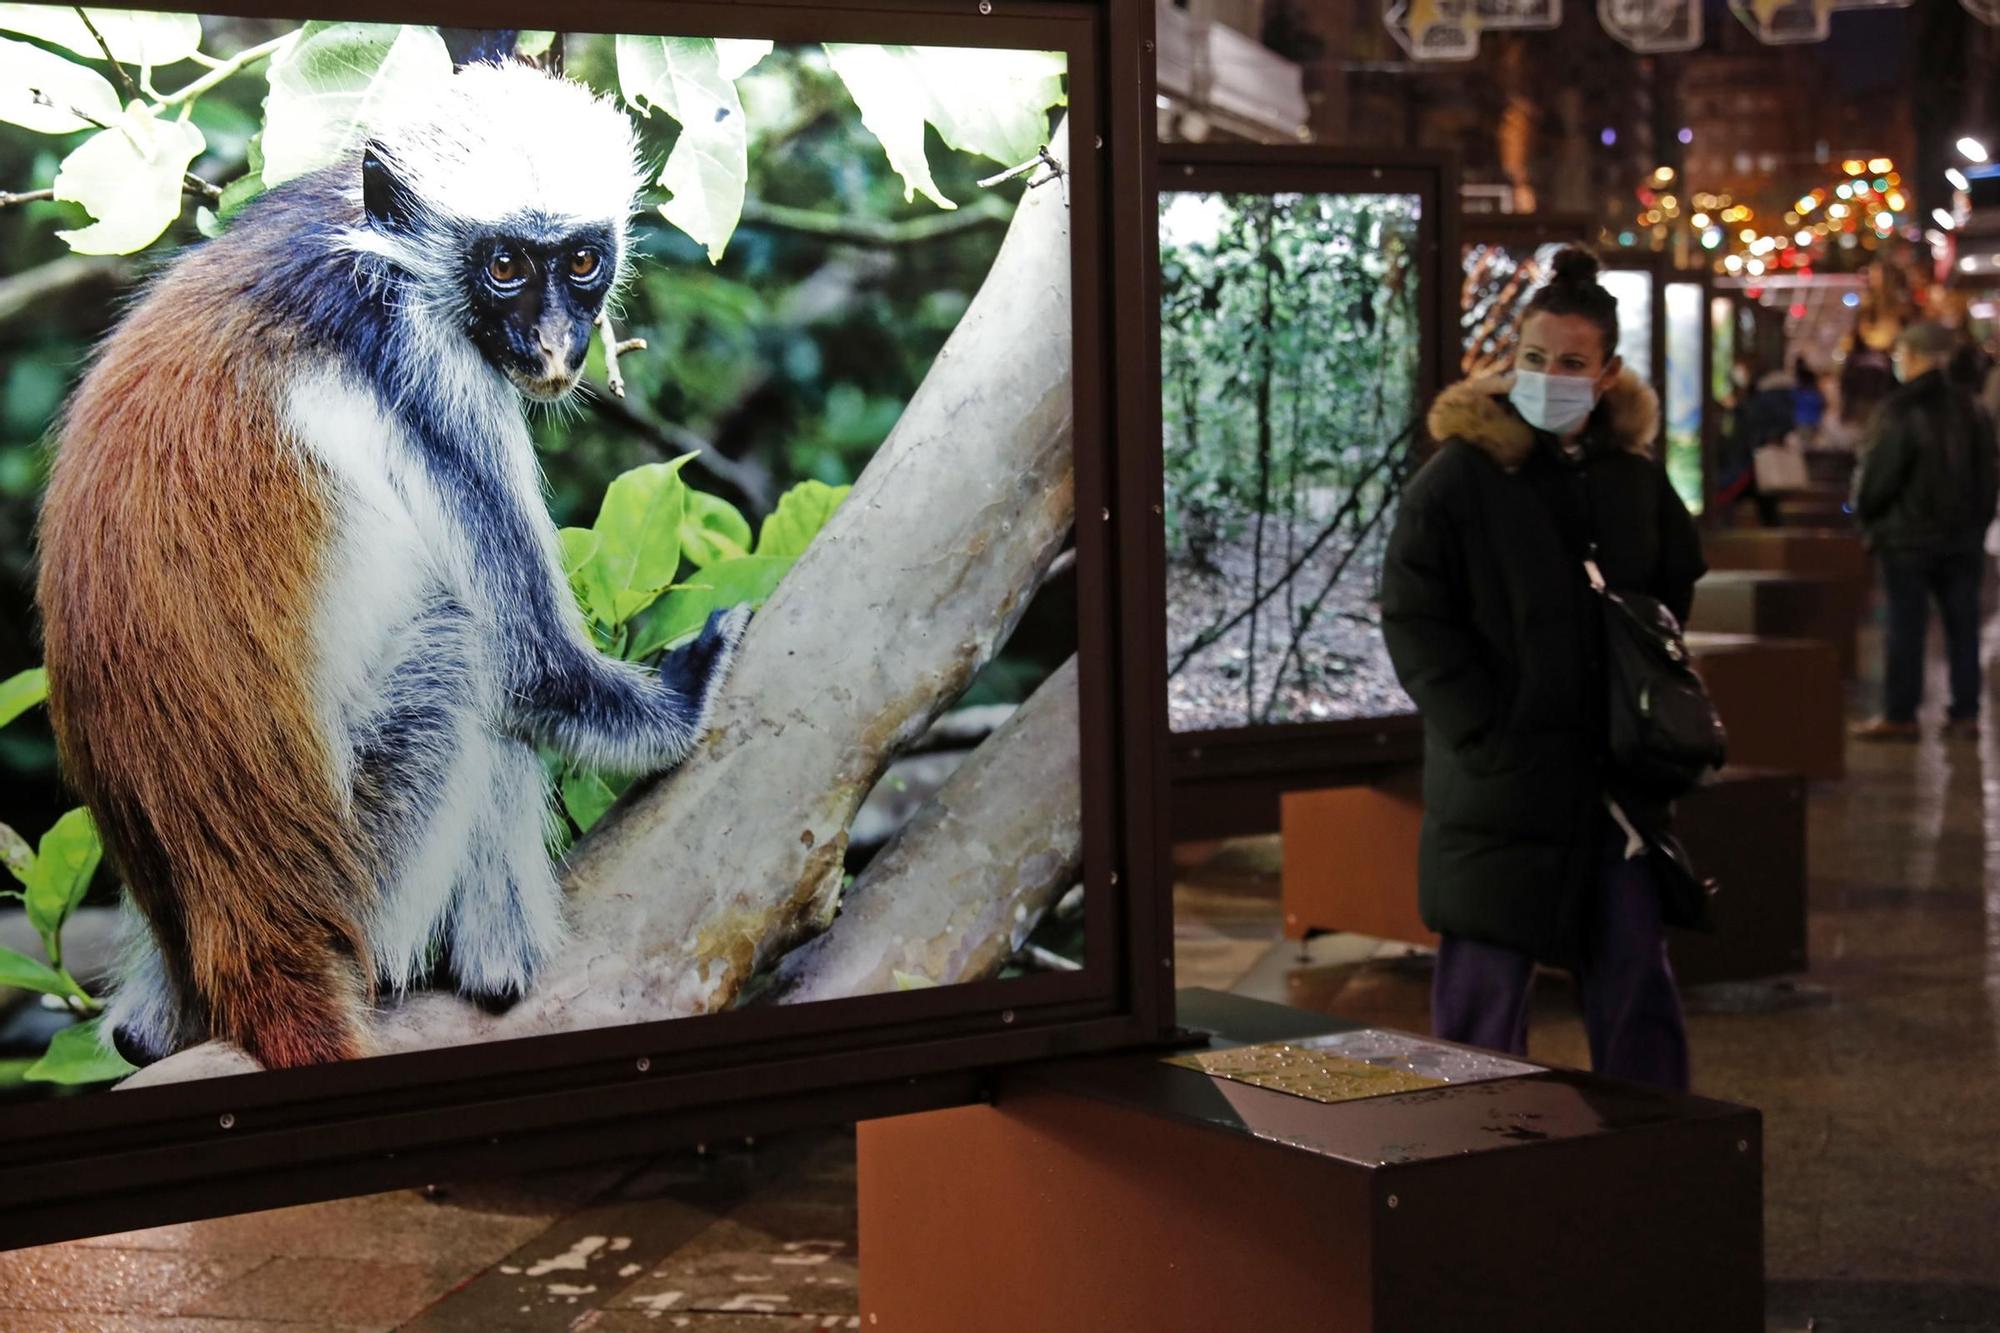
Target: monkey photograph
419 450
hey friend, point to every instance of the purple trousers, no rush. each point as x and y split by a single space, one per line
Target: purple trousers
1625 986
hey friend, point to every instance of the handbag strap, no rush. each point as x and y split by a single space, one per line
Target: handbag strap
1591 571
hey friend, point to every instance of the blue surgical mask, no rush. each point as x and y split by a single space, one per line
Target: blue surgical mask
1557 404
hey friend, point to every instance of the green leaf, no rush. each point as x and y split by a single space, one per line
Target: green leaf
22 691
737 56
129 177
533 42
63 866
41 91
801 513
710 163
587 796
993 103
207 223
78 1055
639 537
685 609
713 529
334 82
25 973
15 853
579 547
149 40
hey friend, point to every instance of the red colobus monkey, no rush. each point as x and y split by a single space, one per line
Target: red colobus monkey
306 621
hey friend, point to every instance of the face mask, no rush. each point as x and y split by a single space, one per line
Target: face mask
1557 404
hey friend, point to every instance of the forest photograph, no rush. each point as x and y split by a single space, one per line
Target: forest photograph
509 532
1290 357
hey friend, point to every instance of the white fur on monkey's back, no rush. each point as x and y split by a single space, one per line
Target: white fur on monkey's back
400 500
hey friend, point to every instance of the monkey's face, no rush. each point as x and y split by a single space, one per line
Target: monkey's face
534 301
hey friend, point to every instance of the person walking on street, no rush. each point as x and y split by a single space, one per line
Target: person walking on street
1530 852
1925 496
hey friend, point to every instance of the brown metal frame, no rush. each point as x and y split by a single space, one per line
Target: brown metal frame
1227 781
111 1161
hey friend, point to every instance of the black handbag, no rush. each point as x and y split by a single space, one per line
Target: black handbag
1664 730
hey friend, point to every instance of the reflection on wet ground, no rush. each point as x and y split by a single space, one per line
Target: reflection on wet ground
1878 1073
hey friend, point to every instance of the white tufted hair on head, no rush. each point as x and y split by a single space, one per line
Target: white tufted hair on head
500 141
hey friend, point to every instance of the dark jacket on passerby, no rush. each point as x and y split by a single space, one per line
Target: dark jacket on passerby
1495 632
1932 476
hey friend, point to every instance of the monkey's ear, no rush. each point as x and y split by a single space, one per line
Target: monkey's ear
387 200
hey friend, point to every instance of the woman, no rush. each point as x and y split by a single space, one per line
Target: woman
1530 852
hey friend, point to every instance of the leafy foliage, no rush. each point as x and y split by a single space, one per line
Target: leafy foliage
1289 345
54 879
651 528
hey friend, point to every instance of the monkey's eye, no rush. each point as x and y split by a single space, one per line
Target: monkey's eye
584 263
504 269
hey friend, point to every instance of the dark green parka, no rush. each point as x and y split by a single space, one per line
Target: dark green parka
1932 476
1495 632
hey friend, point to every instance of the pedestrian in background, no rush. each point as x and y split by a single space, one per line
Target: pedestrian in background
1925 495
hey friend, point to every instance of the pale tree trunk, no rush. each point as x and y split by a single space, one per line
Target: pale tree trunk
958 890
694 883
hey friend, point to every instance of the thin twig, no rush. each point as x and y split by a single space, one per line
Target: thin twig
194 184
132 93
614 347
1215 633
750 483
235 64
9 198
988 210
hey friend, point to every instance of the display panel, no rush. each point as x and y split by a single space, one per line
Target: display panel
1634 289
1722 347
1685 396
1291 336
1500 278
571 407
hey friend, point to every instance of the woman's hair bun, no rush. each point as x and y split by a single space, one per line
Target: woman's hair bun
1573 266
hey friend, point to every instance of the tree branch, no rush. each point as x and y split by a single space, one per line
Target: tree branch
957 892
33 289
693 884
9 198
1215 633
750 482
987 210
614 347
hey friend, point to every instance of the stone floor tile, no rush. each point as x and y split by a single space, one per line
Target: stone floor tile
75 1279
403 1227
578 1265
335 1291
69 1322
734 1268
646 1321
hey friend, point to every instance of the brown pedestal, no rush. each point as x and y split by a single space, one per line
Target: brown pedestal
1783 606
1350 864
1125 1195
1747 829
1829 551
1781 700
1351 859
1820 506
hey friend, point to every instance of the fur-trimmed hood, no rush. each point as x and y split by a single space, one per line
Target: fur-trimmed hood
1476 411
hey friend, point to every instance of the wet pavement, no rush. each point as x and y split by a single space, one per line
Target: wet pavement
1878 1072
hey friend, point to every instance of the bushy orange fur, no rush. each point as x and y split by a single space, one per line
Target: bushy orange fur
181 541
